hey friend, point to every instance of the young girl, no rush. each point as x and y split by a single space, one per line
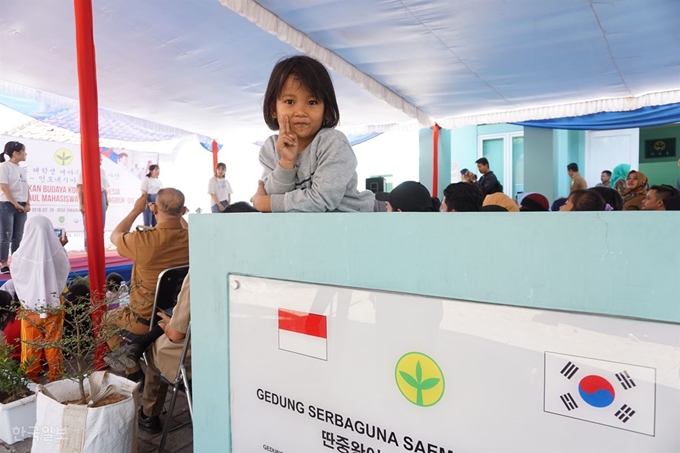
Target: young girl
309 166
219 189
14 200
150 187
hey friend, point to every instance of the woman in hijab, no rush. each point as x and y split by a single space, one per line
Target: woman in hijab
636 190
500 199
619 175
40 268
534 202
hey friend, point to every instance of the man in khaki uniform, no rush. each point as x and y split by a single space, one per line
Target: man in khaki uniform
577 181
152 251
163 360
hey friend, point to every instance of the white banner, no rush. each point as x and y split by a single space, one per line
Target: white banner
318 368
53 170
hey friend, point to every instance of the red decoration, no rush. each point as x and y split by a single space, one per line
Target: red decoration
89 145
435 160
214 152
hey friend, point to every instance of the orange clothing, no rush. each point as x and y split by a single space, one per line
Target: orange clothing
35 328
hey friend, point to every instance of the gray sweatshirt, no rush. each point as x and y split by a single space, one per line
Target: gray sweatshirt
324 178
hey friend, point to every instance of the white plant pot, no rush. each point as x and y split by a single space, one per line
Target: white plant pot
110 428
17 419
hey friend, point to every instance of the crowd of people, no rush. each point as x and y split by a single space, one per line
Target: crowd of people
308 166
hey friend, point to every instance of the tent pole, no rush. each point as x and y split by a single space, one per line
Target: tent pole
435 160
89 145
214 153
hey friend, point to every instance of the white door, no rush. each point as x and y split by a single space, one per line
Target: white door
505 153
607 149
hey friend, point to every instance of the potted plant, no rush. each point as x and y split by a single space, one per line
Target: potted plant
71 412
17 399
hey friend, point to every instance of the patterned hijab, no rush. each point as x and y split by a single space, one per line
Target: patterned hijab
639 189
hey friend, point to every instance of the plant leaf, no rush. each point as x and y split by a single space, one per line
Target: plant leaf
427 384
409 379
419 372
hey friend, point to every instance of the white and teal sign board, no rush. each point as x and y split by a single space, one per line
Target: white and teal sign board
324 368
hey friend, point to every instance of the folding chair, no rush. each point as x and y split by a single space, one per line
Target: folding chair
167 289
168 286
182 383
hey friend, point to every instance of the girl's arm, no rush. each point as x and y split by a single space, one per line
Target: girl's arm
27 206
336 167
276 178
212 191
10 197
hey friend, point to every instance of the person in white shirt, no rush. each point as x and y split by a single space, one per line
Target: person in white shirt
150 187
14 200
219 189
104 193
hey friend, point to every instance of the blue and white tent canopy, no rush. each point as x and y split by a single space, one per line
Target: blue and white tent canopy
202 65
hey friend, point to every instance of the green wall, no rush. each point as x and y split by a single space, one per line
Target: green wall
602 263
662 170
539 162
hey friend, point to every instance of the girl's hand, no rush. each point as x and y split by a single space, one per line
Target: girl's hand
27 207
286 144
221 206
261 201
19 208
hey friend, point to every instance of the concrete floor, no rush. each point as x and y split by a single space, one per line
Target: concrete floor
180 441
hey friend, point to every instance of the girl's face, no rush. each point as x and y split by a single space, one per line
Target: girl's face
156 172
20 156
304 111
221 171
632 180
568 206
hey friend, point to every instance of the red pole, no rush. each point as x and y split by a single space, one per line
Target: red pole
435 160
214 151
89 146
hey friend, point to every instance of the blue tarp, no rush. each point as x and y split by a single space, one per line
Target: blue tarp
644 117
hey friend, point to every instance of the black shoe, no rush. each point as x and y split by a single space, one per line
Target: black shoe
4 270
151 424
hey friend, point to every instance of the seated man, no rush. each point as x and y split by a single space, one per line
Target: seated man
152 251
163 358
655 197
462 197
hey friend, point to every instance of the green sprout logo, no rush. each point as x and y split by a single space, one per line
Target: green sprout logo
63 156
425 387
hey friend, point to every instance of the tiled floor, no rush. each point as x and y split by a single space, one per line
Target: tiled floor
180 441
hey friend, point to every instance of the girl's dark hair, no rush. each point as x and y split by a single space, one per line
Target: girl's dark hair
151 169
8 308
310 74
220 165
11 148
611 197
587 200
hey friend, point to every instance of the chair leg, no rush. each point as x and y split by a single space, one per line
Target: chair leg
187 392
168 420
